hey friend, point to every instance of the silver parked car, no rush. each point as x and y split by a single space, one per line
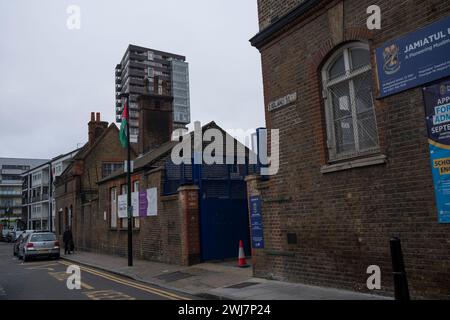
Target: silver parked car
39 244
19 240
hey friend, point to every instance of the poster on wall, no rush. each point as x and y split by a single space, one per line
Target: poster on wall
256 225
144 203
419 57
152 202
135 203
122 206
437 113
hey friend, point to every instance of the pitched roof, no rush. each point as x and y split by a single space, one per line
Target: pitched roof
148 159
86 149
145 160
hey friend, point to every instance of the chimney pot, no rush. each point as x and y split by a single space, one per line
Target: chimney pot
95 127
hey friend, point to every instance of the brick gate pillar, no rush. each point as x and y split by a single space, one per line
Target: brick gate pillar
190 224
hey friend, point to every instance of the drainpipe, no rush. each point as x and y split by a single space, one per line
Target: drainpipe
50 198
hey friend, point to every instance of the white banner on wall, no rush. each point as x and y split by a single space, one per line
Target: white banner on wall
135 203
122 206
144 203
152 202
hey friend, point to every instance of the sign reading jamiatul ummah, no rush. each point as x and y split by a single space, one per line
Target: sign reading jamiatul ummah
437 112
415 59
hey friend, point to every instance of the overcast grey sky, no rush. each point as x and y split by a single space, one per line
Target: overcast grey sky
53 77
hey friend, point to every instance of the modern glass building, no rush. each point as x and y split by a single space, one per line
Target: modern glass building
141 67
11 170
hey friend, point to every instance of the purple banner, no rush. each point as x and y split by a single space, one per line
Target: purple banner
143 203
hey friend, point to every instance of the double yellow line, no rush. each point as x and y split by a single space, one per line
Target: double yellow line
135 285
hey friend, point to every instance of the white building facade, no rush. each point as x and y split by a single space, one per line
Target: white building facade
38 192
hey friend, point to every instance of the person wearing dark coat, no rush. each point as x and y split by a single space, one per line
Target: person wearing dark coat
68 241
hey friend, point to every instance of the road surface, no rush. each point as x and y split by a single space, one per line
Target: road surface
47 280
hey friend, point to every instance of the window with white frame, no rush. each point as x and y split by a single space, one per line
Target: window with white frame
350 115
114 208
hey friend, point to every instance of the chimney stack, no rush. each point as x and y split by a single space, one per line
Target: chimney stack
155 119
96 127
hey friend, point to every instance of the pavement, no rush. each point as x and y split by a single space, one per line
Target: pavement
221 280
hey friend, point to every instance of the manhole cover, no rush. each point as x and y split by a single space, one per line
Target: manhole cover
242 285
174 276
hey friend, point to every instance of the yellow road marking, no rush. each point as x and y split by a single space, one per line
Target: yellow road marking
108 295
86 286
62 276
43 267
131 284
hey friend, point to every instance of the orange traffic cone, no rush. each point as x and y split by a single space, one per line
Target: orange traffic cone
242 262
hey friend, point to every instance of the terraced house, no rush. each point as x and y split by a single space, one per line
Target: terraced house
77 185
353 107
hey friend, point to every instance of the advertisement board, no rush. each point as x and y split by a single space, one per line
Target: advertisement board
437 113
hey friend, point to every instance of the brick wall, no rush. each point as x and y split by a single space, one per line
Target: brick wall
344 220
159 238
271 10
77 188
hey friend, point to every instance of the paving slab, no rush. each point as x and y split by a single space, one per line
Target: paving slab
222 280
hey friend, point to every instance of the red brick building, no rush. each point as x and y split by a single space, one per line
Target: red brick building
338 198
201 210
77 186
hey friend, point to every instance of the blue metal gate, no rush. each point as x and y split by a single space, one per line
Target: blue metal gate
223 206
223 218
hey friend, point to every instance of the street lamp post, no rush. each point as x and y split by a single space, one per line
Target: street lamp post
129 207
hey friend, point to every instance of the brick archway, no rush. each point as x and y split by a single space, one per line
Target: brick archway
317 60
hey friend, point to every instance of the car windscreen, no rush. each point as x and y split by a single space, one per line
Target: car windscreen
42 237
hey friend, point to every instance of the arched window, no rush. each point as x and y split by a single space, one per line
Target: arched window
350 116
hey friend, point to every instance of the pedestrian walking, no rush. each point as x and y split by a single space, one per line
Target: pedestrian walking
68 241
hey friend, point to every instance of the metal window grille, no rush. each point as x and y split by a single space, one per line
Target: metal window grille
351 123
217 181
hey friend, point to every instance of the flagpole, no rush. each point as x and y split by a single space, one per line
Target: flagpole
129 208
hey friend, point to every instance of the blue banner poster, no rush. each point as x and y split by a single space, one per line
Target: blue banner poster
437 111
256 223
417 58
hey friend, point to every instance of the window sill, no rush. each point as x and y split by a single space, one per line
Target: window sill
134 229
365 162
121 229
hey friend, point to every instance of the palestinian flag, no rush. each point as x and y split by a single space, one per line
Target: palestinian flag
123 128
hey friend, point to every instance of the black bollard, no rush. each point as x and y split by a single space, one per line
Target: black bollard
398 270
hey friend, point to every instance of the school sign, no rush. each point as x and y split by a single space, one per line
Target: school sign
437 112
415 59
